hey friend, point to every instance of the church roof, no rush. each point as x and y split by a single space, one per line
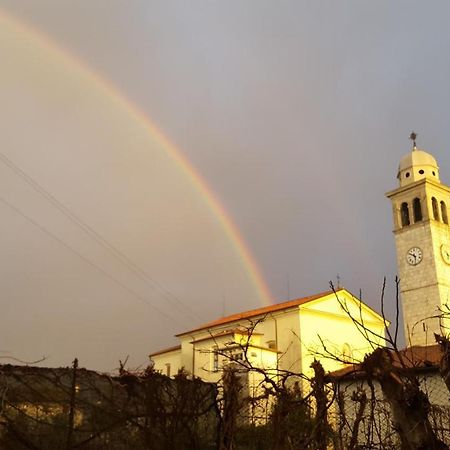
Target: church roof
416 357
260 311
416 165
417 157
166 350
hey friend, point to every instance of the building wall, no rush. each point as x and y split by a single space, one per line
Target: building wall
295 334
230 346
170 359
425 287
327 331
381 418
287 327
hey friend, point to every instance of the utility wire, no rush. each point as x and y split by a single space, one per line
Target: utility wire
86 260
118 255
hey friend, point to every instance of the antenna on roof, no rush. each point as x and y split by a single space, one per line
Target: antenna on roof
288 287
223 305
413 137
338 281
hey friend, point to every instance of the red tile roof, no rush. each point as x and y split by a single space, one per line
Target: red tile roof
259 312
416 357
166 350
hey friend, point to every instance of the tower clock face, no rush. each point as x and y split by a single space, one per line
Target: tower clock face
445 253
414 256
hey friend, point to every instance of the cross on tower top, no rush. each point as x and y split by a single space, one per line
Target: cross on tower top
413 137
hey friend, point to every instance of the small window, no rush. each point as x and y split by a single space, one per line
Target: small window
444 212
434 173
168 369
434 204
237 356
417 210
404 213
421 171
407 174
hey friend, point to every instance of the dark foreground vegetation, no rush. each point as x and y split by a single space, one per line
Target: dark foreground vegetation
383 403
394 399
72 408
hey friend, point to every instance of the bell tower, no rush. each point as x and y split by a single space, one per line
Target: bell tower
422 239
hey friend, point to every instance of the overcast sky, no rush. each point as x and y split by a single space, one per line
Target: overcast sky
295 113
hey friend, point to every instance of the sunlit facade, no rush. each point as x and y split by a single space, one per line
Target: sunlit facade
280 338
421 230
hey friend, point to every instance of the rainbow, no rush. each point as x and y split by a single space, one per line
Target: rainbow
25 31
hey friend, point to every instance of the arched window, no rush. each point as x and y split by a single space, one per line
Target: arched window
404 213
444 212
417 210
434 204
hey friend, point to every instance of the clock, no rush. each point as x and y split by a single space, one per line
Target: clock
414 256
445 253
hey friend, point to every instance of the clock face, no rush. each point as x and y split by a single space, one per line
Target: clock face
445 253
414 256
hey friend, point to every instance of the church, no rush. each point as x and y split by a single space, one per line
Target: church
408 388
284 336
422 238
288 336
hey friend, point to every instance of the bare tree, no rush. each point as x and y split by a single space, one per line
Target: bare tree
394 371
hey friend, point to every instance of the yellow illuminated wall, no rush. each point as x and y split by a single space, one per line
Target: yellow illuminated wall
287 339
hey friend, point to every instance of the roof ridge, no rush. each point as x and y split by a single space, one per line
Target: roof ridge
260 311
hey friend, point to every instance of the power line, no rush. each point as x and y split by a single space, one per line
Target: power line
117 254
86 260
